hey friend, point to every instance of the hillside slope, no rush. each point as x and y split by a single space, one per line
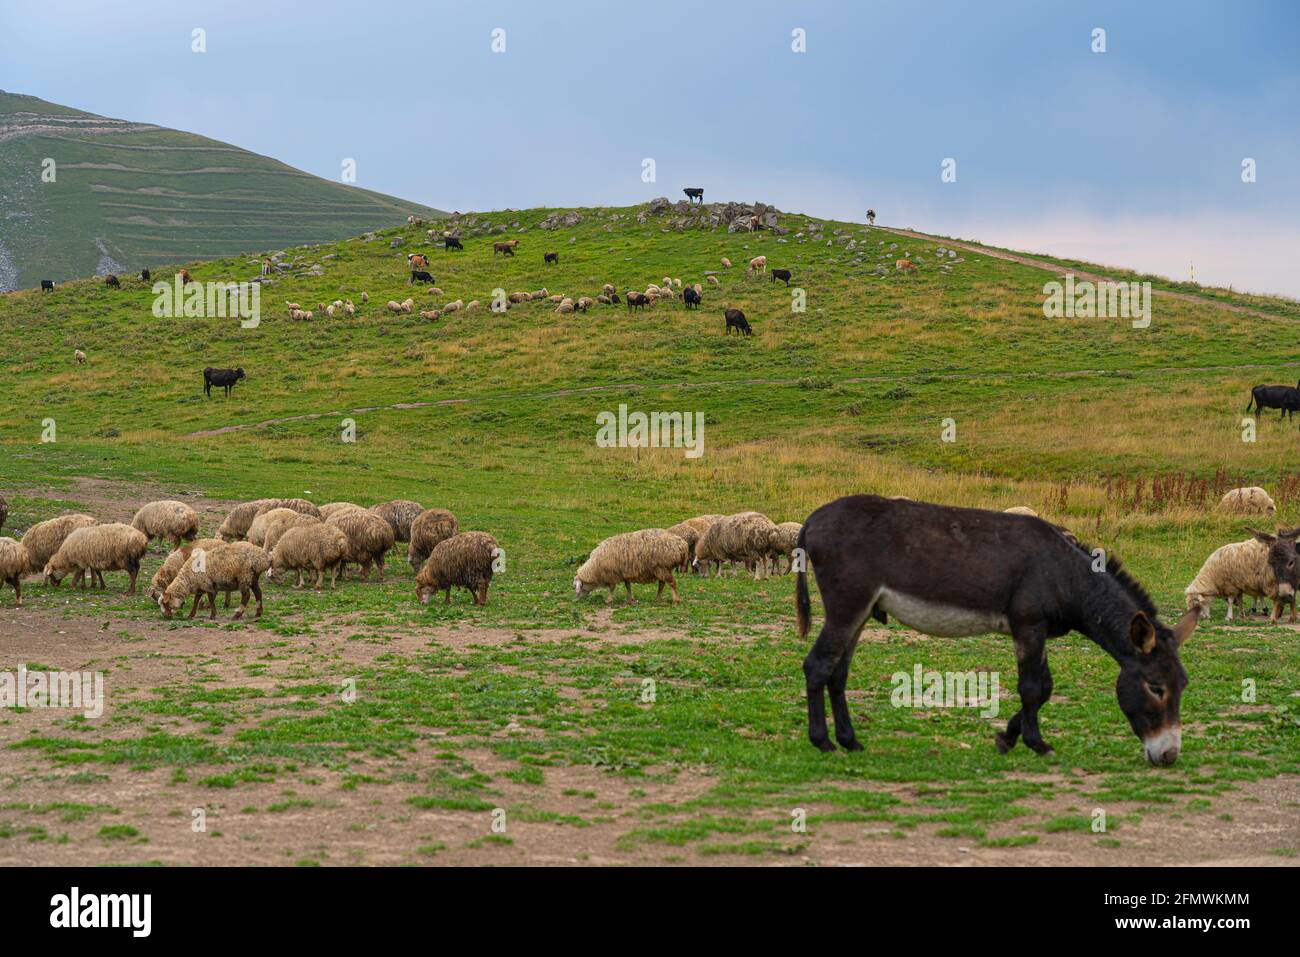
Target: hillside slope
131 195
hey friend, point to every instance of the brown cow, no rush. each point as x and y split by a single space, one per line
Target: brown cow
418 260
905 265
508 248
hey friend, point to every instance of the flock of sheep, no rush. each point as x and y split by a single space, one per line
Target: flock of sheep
274 537
279 537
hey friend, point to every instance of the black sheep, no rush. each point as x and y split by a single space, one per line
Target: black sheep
451 242
550 258
419 275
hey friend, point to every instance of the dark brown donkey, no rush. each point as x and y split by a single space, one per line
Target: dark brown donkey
963 571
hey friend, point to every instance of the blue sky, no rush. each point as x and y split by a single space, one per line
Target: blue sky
1132 156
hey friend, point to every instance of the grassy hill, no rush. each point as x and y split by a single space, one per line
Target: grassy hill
1128 436
132 195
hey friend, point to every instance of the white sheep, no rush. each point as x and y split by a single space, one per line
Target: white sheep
97 549
14 562
1238 569
167 519
641 557
80 357
743 537
1248 501
758 264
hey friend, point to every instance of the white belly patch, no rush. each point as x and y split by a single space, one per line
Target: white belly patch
943 621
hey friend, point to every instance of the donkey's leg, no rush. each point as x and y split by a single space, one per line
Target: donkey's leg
1034 683
833 647
839 704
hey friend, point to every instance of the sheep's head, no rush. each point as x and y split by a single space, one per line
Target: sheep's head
52 577
170 604
424 593
581 589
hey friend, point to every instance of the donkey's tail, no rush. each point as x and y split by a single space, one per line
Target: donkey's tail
802 605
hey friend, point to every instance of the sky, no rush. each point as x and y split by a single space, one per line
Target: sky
1132 156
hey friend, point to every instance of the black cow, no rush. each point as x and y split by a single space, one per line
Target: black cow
736 319
550 258
111 280
419 275
781 274
226 378
451 242
953 572
47 285
693 193
1282 397
691 297
144 275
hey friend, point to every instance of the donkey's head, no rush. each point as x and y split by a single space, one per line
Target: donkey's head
1151 682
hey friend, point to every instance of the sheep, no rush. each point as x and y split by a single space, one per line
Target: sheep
1263 567
641 557
466 560
167 519
904 265
276 527
399 514
604 300
608 289
428 529
758 264
297 504
692 297
80 357
453 306
333 507
429 314
316 547
713 280
565 307
690 531
257 530
520 296
1021 510
365 297
235 527
667 281
292 307
369 538
743 537
349 308
557 298
726 262
472 304
45 538
97 549
14 562
584 303
394 306
408 305
171 566
1249 501
236 566
781 544
329 311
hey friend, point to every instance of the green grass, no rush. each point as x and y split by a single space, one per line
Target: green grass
1065 416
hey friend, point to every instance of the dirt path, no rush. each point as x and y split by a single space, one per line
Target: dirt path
1060 270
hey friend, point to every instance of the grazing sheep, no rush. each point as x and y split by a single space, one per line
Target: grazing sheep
263 521
429 314
1248 501
45 538
584 303
636 300
171 566
428 529
333 507
743 537
1262 567
14 562
167 519
758 264
317 547
726 262
399 514
235 566
713 280
292 307
365 297
641 557
329 311
369 539
297 504
781 544
691 530
408 305
80 357
113 547
1020 510
349 308
608 289
453 306
520 296
394 306
235 527
565 307
276 527
604 300
465 560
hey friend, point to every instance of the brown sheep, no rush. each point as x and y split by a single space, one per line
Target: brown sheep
44 538
170 520
466 560
399 513
369 539
430 527
97 549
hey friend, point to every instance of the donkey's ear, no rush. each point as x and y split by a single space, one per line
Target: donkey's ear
1142 633
1264 537
1186 625
1288 532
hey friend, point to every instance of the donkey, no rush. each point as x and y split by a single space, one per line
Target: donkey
952 572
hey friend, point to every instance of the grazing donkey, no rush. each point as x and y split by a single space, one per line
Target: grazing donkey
952 572
1282 397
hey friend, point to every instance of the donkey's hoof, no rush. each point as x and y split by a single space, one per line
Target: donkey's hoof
1003 742
1039 747
851 745
823 745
